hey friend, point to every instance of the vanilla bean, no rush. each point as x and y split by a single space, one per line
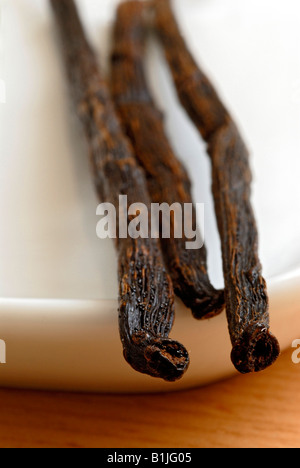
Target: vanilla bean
254 347
167 179
146 296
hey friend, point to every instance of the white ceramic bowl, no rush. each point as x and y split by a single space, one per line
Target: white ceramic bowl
58 282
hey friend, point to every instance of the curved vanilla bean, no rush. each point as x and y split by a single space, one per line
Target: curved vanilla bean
167 180
146 295
254 347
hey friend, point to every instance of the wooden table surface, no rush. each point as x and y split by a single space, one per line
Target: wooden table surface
260 410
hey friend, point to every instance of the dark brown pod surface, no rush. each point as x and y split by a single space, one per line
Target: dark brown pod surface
254 347
146 295
167 179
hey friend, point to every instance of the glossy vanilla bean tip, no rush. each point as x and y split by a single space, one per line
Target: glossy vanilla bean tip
167 359
256 350
161 357
209 307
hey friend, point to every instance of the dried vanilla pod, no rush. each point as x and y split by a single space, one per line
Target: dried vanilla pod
146 295
167 179
254 347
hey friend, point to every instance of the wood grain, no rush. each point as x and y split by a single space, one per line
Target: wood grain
261 410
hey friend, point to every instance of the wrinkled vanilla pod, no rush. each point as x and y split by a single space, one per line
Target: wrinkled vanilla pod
254 347
167 180
146 294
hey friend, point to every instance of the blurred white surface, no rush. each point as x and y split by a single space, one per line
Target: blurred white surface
48 245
